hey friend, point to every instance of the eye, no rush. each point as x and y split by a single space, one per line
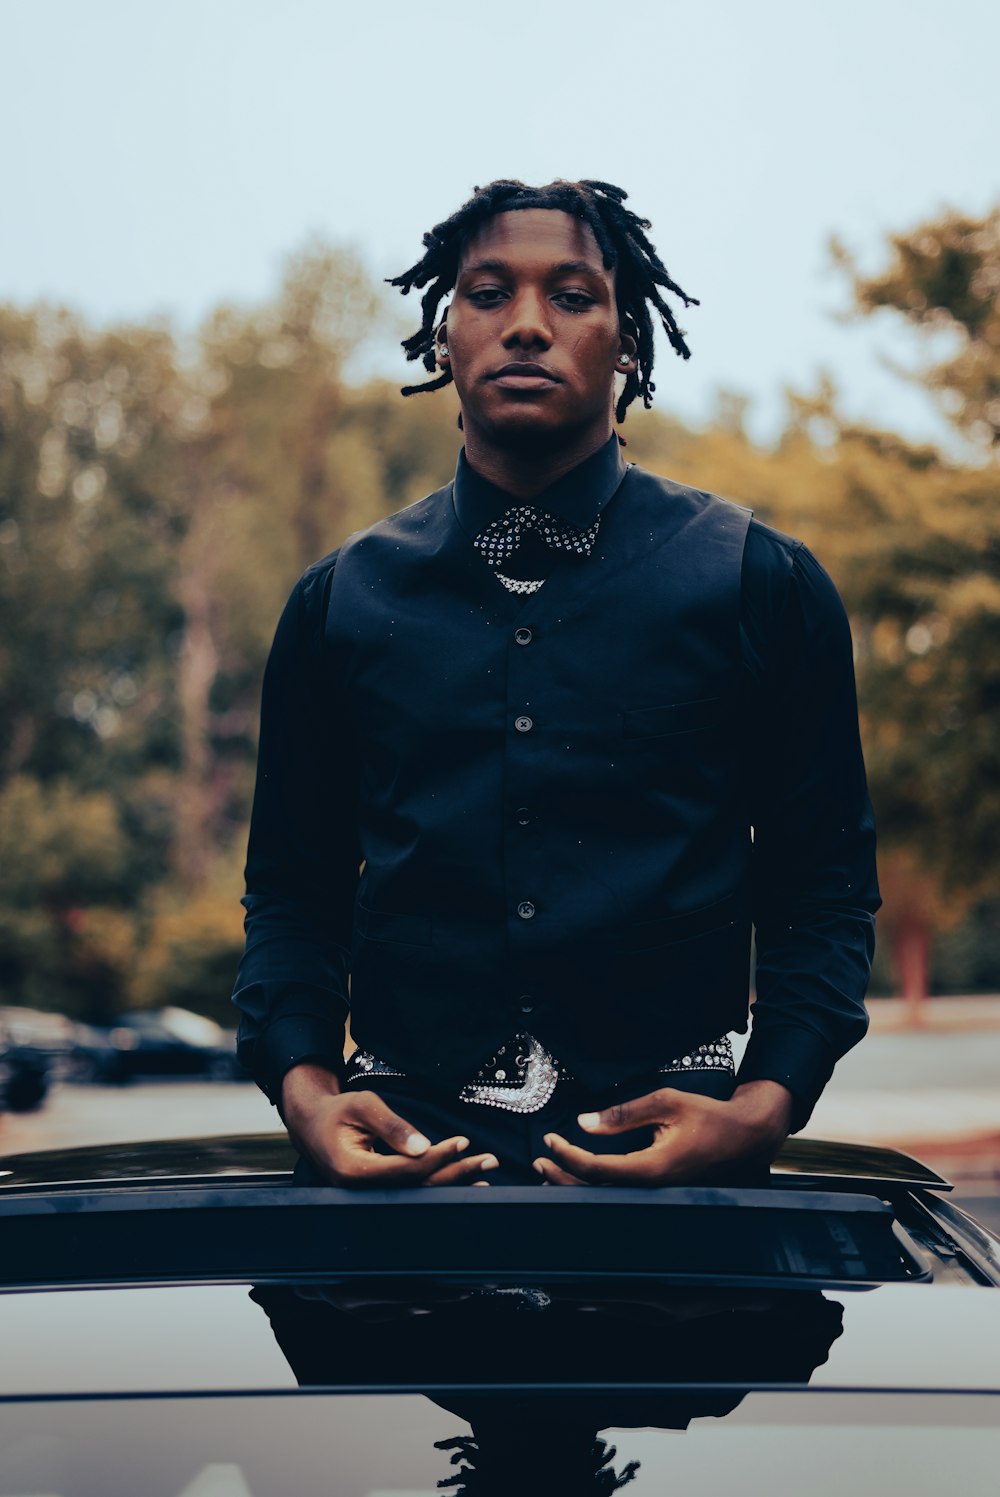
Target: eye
574 301
486 296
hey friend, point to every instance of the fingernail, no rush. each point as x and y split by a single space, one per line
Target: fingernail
417 1144
539 1165
460 1144
490 1163
481 1182
589 1119
547 1140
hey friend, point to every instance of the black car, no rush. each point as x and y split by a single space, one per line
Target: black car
161 1042
179 1320
36 1049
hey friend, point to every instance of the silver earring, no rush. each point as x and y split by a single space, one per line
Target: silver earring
442 351
624 358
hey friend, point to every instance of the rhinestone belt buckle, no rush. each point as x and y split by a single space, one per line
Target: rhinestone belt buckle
537 1073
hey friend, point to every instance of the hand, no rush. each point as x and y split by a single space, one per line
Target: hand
339 1132
693 1137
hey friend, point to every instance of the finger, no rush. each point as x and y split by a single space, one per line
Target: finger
640 1112
660 1164
462 1170
379 1119
639 1168
358 1165
553 1175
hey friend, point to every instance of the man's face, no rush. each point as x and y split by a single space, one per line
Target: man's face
532 331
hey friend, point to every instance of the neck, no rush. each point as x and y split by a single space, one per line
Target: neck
525 469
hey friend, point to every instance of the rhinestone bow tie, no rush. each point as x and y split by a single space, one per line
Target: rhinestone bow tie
502 537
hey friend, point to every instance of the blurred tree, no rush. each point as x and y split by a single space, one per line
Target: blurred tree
944 279
67 939
193 942
86 520
929 598
265 489
87 558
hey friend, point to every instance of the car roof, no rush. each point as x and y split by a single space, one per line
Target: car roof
508 1234
270 1157
226 1207
827 1219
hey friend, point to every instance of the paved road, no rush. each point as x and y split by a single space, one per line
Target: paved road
143 1110
897 1062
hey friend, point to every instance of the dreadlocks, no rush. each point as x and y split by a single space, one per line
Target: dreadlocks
623 242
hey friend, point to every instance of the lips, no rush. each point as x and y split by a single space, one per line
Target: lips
524 375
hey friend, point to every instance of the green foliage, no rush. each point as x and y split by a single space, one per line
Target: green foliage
66 938
86 529
191 948
55 841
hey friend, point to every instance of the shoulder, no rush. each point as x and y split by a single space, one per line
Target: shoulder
780 568
656 486
314 584
411 521
791 610
416 523
693 517
770 548
770 559
307 604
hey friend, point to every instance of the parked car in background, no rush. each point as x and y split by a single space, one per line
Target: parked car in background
24 1080
179 1320
160 1042
36 1049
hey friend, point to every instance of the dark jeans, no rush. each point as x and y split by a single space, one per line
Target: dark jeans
517 1139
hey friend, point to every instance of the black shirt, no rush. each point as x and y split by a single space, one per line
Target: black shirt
794 647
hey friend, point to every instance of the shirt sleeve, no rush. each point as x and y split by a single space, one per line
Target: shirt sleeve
303 857
815 891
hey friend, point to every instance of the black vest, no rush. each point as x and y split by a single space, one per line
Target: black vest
553 813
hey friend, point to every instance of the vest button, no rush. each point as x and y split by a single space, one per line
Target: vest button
526 909
523 724
523 816
526 1003
522 636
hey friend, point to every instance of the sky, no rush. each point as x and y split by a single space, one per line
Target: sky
163 158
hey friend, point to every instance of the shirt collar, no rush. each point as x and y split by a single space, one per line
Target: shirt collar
579 496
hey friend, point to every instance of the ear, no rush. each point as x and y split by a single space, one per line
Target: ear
441 343
628 350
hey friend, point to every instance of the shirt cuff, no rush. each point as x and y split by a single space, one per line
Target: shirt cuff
289 1042
796 1058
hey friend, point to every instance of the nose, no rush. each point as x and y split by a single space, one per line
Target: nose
527 324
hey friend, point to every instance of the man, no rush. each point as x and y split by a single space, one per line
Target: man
579 727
